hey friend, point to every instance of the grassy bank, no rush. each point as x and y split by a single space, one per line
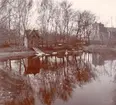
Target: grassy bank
15 52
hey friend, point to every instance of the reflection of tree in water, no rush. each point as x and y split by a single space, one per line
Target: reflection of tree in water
55 80
108 68
114 91
14 90
26 101
58 79
114 97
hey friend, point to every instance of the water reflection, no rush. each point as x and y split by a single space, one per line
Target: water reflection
51 79
13 89
32 66
59 83
97 59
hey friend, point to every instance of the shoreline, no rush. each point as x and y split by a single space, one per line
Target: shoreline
22 52
99 49
15 55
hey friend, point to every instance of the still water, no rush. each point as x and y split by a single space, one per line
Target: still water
89 79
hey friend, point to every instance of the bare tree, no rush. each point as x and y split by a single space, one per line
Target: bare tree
46 11
84 21
59 18
15 15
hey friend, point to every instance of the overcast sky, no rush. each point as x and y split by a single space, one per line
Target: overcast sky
104 9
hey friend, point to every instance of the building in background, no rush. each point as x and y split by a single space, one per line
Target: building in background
32 38
102 35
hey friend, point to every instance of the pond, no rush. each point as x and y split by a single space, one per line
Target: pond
89 79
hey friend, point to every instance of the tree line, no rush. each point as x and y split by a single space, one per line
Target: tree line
53 18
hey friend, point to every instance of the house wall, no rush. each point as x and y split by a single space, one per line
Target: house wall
31 39
33 42
99 33
26 42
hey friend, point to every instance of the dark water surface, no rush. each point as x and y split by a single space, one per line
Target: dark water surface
89 79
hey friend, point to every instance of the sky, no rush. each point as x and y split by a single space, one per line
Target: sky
105 10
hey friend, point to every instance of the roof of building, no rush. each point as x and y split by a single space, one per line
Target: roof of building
32 33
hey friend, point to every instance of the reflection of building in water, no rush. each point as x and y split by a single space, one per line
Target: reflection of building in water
56 80
110 56
32 65
97 59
